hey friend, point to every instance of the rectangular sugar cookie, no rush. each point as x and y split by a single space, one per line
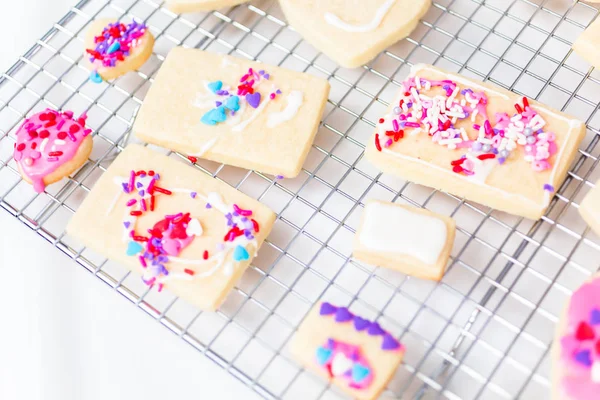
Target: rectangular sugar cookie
233 111
174 225
188 6
412 240
357 355
587 44
590 208
475 140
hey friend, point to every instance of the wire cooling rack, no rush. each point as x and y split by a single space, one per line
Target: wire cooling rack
483 332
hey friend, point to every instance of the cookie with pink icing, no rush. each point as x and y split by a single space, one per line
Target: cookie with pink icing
50 146
576 350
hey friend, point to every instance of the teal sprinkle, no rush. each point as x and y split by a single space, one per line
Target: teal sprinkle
215 86
240 254
359 372
233 103
116 46
134 248
323 355
95 77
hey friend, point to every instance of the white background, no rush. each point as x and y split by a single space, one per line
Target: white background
65 335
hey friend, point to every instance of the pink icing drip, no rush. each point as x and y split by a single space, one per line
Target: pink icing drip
37 162
577 382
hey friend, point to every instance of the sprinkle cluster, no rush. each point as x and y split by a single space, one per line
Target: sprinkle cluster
343 315
46 141
585 341
115 43
346 361
439 115
229 101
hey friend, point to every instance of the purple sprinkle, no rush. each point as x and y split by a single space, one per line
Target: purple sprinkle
330 343
218 103
262 72
584 357
343 315
208 205
360 323
127 224
157 176
267 76
125 187
327 309
375 329
139 185
141 193
595 316
193 194
501 160
389 343
279 177
278 91
548 187
494 151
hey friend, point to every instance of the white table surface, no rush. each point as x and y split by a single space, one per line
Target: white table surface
64 335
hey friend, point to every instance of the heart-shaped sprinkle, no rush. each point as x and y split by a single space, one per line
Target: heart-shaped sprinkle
215 86
595 317
584 357
134 248
253 99
361 323
214 116
44 117
323 355
375 329
340 364
327 309
343 315
233 103
240 253
95 77
360 372
194 228
584 331
390 343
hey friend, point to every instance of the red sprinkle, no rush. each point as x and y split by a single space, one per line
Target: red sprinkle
151 203
193 159
205 255
151 173
135 213
55 153
62 135
140 238
377 144
189 271
255 226
458 169
446 125
458 162
399 135
44 134
486 156
584 332
518 108
381 120
21 147
390 133
525 102
161 190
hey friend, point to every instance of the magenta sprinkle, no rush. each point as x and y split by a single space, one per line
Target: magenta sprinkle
131 202
143 262
131 180
395 125
60 124
412 125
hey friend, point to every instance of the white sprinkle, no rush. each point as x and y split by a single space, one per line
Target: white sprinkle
418 82
59 142
464 134
595 373
474 115
43 145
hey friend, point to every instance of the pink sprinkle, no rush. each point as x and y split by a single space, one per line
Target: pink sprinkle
395 125
476 127
60 124
160 287
52 159
272 96
131 181
72 137
87 132
143 203
131 202
389 143
243 78
143 262
412 125
242 212
488 127
151 186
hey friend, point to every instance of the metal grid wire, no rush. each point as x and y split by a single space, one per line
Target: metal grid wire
483 332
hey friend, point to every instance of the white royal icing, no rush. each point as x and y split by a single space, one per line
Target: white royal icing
334 20
391 229
294 102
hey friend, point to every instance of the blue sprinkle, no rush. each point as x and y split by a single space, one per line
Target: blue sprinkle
113 47
359 372
240 254
233 103
215 86
134 248
323 355
95 77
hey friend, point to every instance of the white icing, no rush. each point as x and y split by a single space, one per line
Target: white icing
194 228
240 127
482 171
341 364
294 102
206 147
226 62
334 20
595 373
391 229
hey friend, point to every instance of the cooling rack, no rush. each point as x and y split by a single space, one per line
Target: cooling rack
483 332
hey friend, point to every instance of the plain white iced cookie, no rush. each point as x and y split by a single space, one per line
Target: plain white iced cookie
411 240
475 140
353 32
174 225
233 111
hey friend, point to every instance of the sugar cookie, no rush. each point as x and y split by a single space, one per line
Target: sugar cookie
177 227
587 44
576 348
114 48
589 209
476 141
411 240
353 32
233 111
357 355
50 146
188 6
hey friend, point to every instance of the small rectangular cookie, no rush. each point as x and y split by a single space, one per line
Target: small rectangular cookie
355 354
590 208
587 45
188 6
233 111
476 141
174 225
412 240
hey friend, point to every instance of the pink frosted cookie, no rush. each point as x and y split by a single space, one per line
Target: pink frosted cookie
51 145
114 48
576 350
354 353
